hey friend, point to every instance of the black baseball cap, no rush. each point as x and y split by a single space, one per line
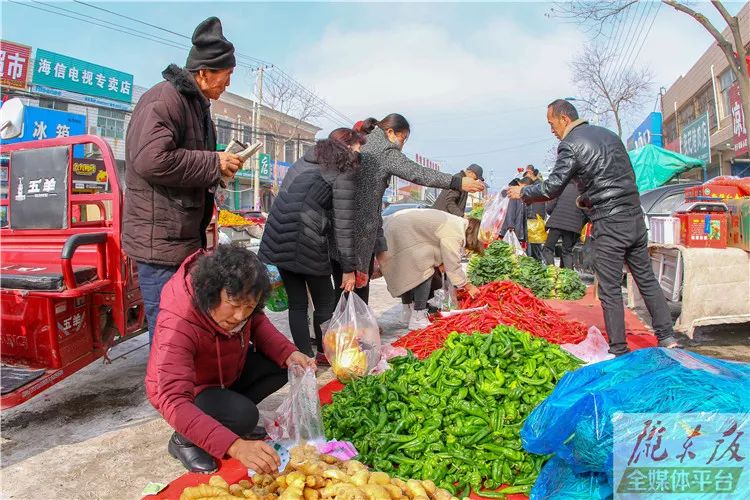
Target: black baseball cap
477 170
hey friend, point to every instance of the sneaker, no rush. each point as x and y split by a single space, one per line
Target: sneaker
321 360
419 320
406 313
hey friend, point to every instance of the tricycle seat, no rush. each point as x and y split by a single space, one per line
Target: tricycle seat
42 277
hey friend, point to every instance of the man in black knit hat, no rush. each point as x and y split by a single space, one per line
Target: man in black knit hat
172 167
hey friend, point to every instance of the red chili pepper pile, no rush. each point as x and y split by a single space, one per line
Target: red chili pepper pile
509 304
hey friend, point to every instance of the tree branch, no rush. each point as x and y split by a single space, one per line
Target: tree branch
723 43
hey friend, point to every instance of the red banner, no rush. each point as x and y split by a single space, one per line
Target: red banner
14 64
739 121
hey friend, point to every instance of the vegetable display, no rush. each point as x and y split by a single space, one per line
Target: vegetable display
508 304
311 476
455 417
499 263
227 218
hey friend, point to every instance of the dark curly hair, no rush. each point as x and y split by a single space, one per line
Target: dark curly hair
232 268
334 151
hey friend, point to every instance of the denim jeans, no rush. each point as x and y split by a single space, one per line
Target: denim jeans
152 278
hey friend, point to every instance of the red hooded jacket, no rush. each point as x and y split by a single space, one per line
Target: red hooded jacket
190 353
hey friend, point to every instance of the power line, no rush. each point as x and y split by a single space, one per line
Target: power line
619 71
255 60
622 41
643 41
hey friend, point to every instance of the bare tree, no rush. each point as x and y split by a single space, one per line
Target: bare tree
608 92
596 15
285 96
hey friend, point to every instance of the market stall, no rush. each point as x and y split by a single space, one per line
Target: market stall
700 255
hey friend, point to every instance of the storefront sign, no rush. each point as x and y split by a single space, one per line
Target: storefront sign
695 139
66 73
43 123
14 64
676 455
648 132
38 188
264 163
83 99
739 122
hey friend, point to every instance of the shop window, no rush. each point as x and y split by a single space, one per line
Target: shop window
726 80
247 134
704 102
290 152
223 132
111 123
670 131
53 104
306 148
686 115
271 146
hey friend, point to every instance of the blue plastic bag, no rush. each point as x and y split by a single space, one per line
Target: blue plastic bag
575 421
557 481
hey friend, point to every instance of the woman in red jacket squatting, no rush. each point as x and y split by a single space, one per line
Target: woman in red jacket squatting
214 357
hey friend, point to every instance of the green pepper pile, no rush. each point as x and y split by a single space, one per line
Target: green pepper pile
499 263
454 417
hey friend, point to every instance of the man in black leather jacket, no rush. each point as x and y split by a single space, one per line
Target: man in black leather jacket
596 160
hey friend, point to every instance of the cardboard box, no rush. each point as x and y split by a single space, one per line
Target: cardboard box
703 229
712 191
739 223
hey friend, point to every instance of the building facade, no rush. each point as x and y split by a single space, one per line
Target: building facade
700 113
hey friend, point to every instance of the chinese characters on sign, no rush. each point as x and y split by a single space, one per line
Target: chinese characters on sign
667 455
739 121
43 123
66 73
695 139
14 64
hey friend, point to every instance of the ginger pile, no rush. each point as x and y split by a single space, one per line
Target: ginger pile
311 476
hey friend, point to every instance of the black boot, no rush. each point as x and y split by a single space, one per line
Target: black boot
193 458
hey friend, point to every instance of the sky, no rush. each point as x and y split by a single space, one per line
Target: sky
473 79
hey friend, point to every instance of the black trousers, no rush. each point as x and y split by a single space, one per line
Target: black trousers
364 292
235 407
418 295
623 239
535 250
323 297
569 239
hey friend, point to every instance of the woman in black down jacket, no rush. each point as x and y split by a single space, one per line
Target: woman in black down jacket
382 158
315 200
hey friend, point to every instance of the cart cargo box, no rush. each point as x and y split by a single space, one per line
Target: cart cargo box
739 223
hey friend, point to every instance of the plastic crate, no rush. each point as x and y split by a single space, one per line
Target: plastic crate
664 230
703 230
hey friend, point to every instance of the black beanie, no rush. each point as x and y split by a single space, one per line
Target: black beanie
210 49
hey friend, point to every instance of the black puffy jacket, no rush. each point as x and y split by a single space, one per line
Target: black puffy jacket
596 159
314 200
563 212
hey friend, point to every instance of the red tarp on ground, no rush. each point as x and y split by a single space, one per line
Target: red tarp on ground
587 310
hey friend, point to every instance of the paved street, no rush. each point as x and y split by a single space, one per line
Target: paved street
96 436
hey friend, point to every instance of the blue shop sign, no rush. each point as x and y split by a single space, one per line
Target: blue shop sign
43 123
648 132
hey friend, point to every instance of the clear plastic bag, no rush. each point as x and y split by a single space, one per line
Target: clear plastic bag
277 300
298 417
445 298
493 218
352 339
592 349
511 239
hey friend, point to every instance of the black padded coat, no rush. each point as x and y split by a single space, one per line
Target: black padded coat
315 202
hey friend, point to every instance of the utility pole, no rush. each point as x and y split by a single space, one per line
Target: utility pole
256 128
